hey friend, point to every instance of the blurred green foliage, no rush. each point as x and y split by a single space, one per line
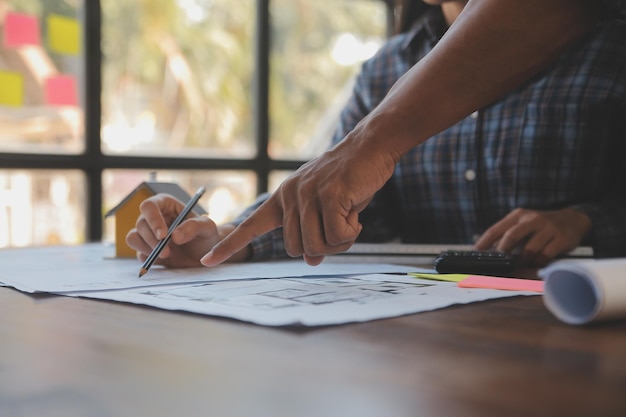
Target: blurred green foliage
189 66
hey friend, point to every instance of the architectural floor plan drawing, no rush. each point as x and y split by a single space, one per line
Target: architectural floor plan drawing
310 301
288 292
277 293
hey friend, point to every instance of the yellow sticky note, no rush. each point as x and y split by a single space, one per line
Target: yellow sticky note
63 34
11 89
440 277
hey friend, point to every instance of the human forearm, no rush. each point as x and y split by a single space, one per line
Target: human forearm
489 51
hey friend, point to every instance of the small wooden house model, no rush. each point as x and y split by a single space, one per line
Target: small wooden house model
127 211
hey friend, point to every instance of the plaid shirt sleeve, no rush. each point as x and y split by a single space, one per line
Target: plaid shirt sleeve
608 220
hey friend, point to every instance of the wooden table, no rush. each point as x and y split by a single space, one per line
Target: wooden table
61 356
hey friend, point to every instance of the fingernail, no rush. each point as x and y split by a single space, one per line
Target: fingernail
159 234
206 259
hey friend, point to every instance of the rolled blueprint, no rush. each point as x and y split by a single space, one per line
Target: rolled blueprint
584 291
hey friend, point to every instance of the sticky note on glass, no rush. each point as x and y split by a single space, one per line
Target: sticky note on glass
496 283
11 89
61 91
20 29
63 35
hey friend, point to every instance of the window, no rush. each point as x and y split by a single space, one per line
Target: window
41 123
97 96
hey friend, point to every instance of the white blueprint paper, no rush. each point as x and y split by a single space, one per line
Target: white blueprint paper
268 293
63 269
306 301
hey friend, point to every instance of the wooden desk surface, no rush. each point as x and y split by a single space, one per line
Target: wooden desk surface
61 356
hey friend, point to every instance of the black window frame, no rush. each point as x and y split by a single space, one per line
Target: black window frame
92 162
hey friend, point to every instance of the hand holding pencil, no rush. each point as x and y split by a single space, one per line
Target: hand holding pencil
187 243
161 245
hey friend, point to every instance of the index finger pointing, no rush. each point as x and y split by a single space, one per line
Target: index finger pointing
265 219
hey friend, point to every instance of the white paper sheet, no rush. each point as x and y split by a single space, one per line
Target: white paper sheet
273 293
63 269
579 292
306 301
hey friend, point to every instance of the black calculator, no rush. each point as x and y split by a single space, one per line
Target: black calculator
475 262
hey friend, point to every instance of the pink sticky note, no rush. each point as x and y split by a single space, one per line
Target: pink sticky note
61 91
496 283
21 29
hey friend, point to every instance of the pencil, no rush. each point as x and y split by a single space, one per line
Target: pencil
159 247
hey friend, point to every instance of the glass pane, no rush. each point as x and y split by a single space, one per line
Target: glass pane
317 47
276 178
228 192
177 76
42 207
41 76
